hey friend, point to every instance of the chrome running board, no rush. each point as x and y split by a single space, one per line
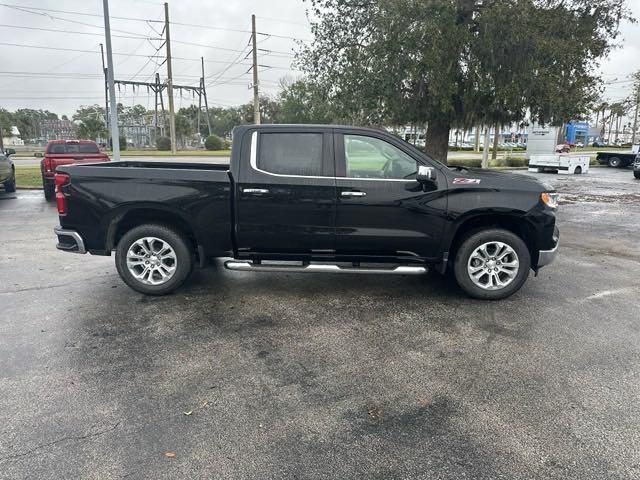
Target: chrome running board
316 268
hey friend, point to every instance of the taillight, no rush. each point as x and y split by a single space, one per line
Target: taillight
47 164
61 201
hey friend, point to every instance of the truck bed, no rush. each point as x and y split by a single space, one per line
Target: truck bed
106 194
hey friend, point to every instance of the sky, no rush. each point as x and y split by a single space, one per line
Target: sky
68 73
61 80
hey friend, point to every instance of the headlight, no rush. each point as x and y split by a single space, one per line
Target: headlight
550 199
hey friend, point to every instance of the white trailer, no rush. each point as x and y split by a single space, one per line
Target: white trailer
563 163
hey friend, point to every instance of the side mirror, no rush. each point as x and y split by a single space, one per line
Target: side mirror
38 155
426 174
10 151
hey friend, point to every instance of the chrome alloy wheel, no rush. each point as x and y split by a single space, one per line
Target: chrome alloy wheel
151 261
493 265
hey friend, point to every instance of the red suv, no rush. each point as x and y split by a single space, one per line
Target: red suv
64 152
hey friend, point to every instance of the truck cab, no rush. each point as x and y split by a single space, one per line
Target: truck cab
320 198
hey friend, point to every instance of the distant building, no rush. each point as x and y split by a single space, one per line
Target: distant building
55 130
13 139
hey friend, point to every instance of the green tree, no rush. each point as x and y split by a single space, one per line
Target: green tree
28 121
213 142
6 122
303 101
183 128
163 143
222 121
269 110
91 128
457 63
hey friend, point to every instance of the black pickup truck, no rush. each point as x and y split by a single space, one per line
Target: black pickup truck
303 198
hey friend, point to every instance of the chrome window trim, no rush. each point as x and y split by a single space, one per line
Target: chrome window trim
253 160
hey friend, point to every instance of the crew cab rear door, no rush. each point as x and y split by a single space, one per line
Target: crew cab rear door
382 210
286 193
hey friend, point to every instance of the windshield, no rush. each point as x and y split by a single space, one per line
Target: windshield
73 148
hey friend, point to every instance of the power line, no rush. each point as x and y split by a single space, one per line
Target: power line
62 49
37 10
30 10
67 12
235 61
76 32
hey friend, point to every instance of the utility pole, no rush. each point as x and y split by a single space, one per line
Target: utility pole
106 88
172 118
256 96
203 93
115 134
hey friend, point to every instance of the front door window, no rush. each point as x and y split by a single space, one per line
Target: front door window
369 157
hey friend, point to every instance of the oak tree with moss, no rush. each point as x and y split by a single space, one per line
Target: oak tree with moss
457 63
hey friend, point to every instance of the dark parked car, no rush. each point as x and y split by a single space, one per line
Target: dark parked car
323 199
7 170
65 152
636 167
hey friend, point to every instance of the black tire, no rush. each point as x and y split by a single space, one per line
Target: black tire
614 162
475 240
10 185
177 241
578 170
637 174
49 190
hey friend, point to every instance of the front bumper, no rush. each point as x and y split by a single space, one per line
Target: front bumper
545 257
69 241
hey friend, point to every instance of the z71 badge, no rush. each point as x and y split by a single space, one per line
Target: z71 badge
465 181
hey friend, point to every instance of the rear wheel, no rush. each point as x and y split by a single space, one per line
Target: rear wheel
578 170
637 174
49 190
154 259
614 162
492 264
10 185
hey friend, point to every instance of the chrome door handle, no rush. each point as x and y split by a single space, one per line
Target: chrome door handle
354 194
255 190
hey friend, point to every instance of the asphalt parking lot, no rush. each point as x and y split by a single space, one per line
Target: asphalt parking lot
245 375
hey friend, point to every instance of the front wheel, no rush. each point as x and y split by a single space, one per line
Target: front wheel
492 264
10 185
154 259
636 174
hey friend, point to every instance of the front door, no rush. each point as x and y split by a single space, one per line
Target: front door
287 194
381 208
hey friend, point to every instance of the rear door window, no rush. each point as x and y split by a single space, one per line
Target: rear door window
297 154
